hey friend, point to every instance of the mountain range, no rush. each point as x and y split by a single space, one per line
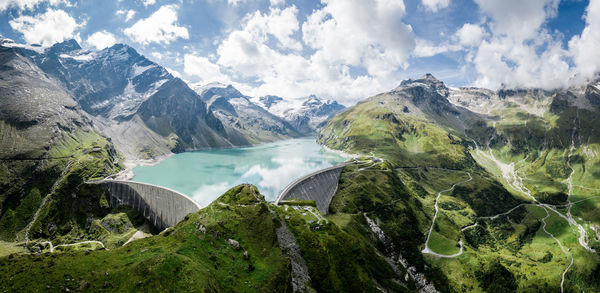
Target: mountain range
147 112
451 189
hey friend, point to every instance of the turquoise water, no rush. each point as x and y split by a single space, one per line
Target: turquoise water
205 175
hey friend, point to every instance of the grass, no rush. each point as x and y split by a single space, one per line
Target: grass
512 252
379 125
182 258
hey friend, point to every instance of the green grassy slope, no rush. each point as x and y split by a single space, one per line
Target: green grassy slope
198 255
525 249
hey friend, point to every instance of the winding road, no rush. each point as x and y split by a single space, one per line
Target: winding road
427 249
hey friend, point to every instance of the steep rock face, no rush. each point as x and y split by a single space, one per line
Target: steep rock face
427 97
592 94
34 109
47 148
244 121
144 109
306 115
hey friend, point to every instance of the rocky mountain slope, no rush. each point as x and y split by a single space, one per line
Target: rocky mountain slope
503 183
244 121
48 147
145 110
306 115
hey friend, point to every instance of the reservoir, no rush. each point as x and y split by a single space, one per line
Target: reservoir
205 175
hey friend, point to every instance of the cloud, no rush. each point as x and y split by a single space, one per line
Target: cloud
204 69
46 29
435 5
338 37
520 52
206 194
426 48
160 27
246 50
129 14
148 2
27 4
368 34
470 34
101 39
518 19
277 2
235 2
157 55
585 48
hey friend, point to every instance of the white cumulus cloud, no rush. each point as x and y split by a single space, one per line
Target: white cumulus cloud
368 34
585 48
46 29
520 52
160 27
277 2
470 34
148 2
101 39
202 68
339 36
435 5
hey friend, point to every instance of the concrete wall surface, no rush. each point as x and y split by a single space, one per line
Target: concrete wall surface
163 207
319 186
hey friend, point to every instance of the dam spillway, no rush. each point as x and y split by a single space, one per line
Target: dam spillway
319 186
163 207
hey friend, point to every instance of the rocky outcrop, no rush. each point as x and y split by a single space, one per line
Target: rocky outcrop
394 257
300 276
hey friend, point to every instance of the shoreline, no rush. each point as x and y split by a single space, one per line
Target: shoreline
129 164
127 173
341 153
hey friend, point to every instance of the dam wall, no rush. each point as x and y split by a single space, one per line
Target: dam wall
319 186
163 207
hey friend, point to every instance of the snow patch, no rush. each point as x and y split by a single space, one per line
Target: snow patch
82 58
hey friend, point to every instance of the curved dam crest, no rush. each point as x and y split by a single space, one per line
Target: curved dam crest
162 206
319 186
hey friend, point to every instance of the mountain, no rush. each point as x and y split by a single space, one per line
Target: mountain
502 183
244 121
414 124
306 115
48 148
144 110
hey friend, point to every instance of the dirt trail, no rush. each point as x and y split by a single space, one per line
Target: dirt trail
52 247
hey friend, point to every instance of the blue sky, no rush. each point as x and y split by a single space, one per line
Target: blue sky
341 49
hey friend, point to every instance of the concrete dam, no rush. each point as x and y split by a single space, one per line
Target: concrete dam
163 207
319 186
